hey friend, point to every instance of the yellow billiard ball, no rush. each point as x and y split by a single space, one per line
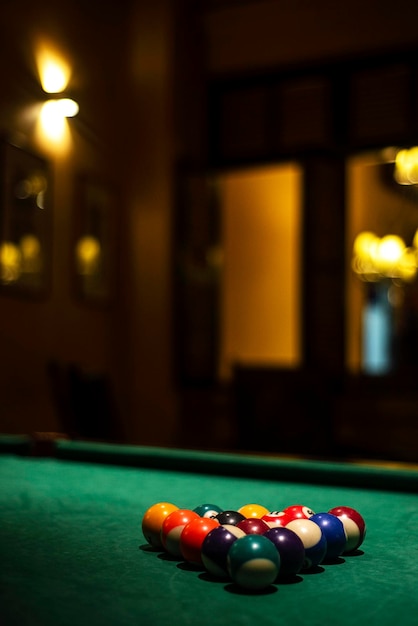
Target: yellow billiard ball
253 510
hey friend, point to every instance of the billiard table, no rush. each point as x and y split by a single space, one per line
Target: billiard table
72 549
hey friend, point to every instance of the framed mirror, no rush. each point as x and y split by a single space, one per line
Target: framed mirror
25 222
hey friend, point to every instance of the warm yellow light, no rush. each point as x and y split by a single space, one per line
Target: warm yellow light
88 254
390 250
67 107
406 167
30 248
54 78
407 266
53 117
10 262
54 71
52 121
375 258
365 244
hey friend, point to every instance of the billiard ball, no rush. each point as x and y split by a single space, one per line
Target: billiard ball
298 511
354 524
334 532
276 518
192 537
253 562
230 517
291 550
253 510
152 522
208 510
215 548
313 539
253 525
173 527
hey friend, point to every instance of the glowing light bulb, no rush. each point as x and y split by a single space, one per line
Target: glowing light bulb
54 77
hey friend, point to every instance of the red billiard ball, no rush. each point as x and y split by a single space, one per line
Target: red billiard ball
298 511
173 527
152 522
313 539
192 537
334 532
276 518
291 549
253 526
215 548
354 524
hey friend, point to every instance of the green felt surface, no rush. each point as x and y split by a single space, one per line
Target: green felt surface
72 551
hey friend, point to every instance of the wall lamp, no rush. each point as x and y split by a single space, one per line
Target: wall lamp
54 75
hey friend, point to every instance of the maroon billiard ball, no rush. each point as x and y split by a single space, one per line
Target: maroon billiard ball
253 525
354 524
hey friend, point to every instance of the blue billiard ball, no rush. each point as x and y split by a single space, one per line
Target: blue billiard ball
215 548
313 539
253 562
208 510
334 532
291 550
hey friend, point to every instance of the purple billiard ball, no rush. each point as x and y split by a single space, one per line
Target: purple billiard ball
334 532
215 548
291 550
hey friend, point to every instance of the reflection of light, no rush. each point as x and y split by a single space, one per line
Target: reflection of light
33 186
10 262
406 167
30 248
88 254
407 265
390 250
364 244
386 257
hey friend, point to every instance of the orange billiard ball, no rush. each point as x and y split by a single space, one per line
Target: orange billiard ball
152 522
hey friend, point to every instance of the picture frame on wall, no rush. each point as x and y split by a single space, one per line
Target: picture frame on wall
94 240
25 222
